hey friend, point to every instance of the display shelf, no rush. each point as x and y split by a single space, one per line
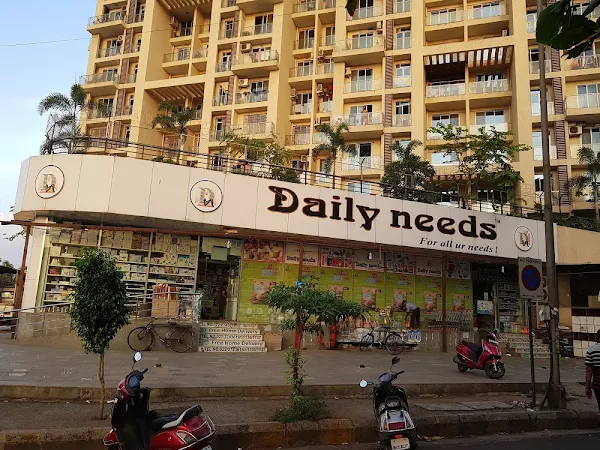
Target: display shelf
67 267
172 274
61 275
142 250
169 265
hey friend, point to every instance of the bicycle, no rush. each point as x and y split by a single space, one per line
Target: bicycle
394 341
179 339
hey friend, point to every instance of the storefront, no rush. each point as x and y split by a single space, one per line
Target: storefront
228 238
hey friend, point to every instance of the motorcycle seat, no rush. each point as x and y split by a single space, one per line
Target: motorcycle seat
475 348
175 420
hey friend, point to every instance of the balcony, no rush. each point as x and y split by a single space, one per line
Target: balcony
135 48
537 153
199 58
228 33
217 135
487 11
488 128
325 107
367 12
364 125
221 100
108 52
402 6
304 6
228 3
531 22
328 41
584 62
445 90
255 64
320 138
325 69
256 6
244 98
127 78
402 82
257 33
536 109
575 149
490 93
581 107
302 139
304 44
301 71
534 67
366 89
138 18
222 71
99 113
195 123
107 25
489 87
266 129
301 108
402 43
176 63
362 50
361 163
402 120
445 18
104 83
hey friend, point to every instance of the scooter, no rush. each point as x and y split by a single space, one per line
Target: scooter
136 427
485 357
396 429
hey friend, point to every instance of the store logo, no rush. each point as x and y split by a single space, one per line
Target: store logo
206 196
49 182
524 238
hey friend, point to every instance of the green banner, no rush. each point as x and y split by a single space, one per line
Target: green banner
399 292
337 280
459 295
291 272
428 293
369 289
257 279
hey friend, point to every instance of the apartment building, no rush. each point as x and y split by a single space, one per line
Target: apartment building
277 69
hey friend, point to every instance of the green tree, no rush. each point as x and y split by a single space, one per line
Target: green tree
589 181
7 279
559 27
408 177
99 306
484 159
65 132
336 144
175 120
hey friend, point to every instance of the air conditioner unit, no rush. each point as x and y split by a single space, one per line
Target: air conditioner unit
320 92
304 158
348 72
321 55
294 94
317 121
245 33
246 47
174 22
243 82
575 130
504 32
379 27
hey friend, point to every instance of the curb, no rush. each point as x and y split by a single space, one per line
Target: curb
46 393
271 435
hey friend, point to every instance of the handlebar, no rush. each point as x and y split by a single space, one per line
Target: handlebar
144 371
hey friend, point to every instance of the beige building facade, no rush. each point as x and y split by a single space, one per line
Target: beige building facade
277 69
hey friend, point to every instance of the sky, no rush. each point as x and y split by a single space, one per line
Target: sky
30 73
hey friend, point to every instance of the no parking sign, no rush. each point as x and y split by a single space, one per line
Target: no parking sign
530 279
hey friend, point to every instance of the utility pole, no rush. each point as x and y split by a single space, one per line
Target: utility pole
557 395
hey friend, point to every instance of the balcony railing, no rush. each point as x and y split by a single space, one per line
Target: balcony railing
108 52
320 138
221 100
362 86
100 113
445 90
253 58
446 17
302 44
217 135
487 11
537 153
366 12
182 54
402 120
575 149
361 163
302 108
326 107
125 111
223 66
185 32
360 43
487 87
228 33
305 6
534 66
112 16
128 78
251 97
99 78
487 128
402 6
434 136
256 30
228 3
325 68
255 128
531 22
328 41
197 114
536 109
301 71
401 82
135 48
326 4
200 53
585 62
138 18
583 101
401 43
297 139
363 119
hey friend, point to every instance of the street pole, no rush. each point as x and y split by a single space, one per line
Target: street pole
556 396
531 353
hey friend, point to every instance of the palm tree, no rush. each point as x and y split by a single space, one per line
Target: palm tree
174 119
590 180
336 144
67 111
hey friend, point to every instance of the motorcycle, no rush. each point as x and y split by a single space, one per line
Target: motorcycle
396 429
136 427
485 357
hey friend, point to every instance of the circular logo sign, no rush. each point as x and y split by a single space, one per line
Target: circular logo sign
524 238
206 196
531 278
49 182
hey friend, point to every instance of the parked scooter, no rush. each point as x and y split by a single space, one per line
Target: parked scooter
396 429
485 357
136 427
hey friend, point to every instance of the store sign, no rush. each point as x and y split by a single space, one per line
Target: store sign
49 182
206 196
310 254
523 239
429 267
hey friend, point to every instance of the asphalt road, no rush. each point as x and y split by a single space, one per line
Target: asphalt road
532 441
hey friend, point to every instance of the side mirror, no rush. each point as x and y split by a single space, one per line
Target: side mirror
395 360
363 384
137 357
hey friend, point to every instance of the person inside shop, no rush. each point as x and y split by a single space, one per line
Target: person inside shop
222 299
592 370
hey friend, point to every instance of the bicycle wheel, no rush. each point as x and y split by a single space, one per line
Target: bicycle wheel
366 343
180 339
394 344
140 339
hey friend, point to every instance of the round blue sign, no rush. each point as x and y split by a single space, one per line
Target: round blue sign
531 278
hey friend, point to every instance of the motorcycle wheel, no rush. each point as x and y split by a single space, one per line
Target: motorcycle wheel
462 368
497 373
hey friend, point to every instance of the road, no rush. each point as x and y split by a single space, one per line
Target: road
533 441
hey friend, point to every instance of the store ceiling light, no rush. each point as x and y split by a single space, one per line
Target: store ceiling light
230 230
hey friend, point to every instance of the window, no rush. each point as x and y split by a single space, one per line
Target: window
263 24
127 133
304 67
489 118
485 10
403 38
219 124
489 77
228 29
357 186
402 78
185 28
305 98
361 115
141 11
260 86
534 54
110 74
329 36
402 108
439 158
106 109
362 40
590 137
299 165
306 38
445 119
587 96
443 16
365 9
363 150
216 161
114 47
362 80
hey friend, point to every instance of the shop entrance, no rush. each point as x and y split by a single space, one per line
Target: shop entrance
219 281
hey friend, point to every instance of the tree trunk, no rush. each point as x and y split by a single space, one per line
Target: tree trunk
334 157
101 378
596 207
299 331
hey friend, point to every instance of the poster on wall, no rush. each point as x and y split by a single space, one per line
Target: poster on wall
400 292
263 251
459 295
456 269
256 281
399 263
369 289
368 260
428 293
337 280
310 257
336 257
309 274
429 267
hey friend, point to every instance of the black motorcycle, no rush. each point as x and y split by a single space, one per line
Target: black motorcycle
396 429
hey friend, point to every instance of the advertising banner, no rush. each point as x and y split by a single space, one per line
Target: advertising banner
257 279
363 262
337 280
428 293
456 269
400 292
459 295
291 273
336 257
429 267
310 257
369 289
263 251
399 263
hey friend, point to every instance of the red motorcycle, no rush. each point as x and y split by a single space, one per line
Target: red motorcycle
136 427
485 357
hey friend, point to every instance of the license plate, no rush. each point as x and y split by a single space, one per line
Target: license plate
400 444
